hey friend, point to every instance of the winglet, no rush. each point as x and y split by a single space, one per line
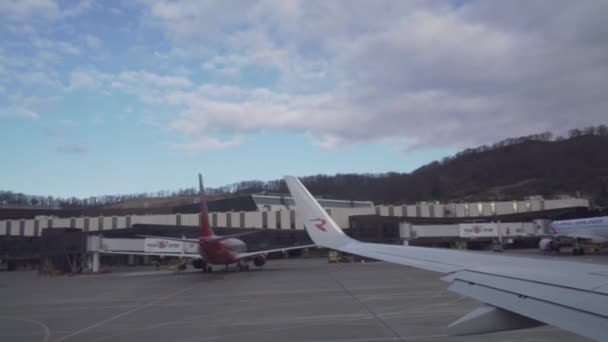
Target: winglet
319 225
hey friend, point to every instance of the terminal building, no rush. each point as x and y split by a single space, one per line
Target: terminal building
27 234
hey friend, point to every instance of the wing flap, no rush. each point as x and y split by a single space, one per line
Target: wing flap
580 322
252 254
592 302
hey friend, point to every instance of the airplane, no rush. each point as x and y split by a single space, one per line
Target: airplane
591 230
215 250
517 292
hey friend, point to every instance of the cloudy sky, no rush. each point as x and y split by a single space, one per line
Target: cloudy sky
121 97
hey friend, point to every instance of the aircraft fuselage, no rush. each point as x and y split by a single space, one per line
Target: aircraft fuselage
223 252
595 228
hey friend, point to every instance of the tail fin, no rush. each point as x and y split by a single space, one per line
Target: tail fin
205 226
319 225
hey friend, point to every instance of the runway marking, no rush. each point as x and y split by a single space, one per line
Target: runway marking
115 317
47 331
370 311
267 330
181 323
198 321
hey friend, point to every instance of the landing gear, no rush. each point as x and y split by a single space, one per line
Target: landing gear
242 267
207 269
199 264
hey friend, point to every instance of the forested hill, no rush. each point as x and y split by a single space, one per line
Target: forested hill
512 169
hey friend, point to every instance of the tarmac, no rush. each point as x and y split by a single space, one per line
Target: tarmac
287 300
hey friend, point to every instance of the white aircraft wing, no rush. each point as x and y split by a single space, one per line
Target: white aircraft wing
519 292
150 245
169 238
161 254
252 254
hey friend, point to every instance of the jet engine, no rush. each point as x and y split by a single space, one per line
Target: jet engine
259 260
198 263
548 245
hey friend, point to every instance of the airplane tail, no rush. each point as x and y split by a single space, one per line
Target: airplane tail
206 230
319 225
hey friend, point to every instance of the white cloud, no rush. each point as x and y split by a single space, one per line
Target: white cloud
328 142
22 10
414 73
144 78
81 7
226 108
73 149
92 41
29 8
88 79
56 45
18 112
147 86
209 144
222 70
37 78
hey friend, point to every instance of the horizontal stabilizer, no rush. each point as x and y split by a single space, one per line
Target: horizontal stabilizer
284 249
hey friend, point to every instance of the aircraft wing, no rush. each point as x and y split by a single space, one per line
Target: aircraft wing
519 292
236 235
253 254
171 238
165 254
219 238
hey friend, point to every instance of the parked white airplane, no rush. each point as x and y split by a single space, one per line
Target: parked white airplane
518 292
590 230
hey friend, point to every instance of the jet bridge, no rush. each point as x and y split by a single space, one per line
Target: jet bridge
97 245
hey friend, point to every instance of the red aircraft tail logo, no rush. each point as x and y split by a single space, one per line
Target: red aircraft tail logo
320 224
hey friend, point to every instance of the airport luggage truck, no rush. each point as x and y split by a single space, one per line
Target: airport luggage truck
335 256
589 248
332 256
